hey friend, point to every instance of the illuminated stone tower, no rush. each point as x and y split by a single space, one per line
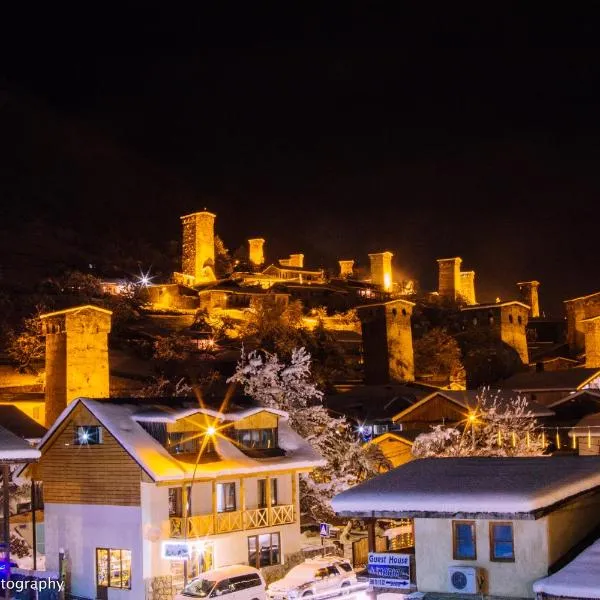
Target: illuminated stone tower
295 260
529 295
198 248
449 277
467 286
76 356
381 270
256 251
578 309
592 342
346 268
387 341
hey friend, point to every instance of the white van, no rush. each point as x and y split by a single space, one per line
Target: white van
237 582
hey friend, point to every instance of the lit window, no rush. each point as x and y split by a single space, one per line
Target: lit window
264 550
86 435
502 547
226 497
262 492
113 568
258 439
463 540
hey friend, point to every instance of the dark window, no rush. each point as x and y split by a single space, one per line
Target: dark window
264 550
226 497
510 318
258 439
321 573
331 570
502 547
520 320
244 582
463 538
222 588
176 501
345 566
262 493
87 435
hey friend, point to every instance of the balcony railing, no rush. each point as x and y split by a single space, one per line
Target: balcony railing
203 525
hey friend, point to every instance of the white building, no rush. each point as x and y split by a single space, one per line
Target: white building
503 522
131 487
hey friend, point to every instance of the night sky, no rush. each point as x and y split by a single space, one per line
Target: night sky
334 134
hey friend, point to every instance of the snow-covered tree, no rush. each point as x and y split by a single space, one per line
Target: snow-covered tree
495 427
26 345
289 387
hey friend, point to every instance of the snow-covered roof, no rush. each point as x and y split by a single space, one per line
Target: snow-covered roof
15 449
121 421
568 380
156 415
579 579
523 488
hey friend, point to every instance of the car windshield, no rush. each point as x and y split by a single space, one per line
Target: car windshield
199 588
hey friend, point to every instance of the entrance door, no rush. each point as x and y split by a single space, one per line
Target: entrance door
102 570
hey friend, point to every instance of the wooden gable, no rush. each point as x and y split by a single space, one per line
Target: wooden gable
97 474
396 449
435 408
260 420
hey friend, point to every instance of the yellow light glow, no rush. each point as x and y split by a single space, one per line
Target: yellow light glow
472 418
211 430
387 281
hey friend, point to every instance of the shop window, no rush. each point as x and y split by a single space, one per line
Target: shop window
113 568
463 540
87 435
264 550
502 547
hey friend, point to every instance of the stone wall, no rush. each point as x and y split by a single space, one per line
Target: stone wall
467 286
592 342
449 285
577 310
256 251
381 270
198 246
529 295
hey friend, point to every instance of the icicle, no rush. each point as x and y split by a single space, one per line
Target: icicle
528 440
557 439
514 440
589 438
499 438
544 438
574 441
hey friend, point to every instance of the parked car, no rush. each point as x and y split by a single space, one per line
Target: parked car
237 582
328 576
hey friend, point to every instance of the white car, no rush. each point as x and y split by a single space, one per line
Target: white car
237 582
319 577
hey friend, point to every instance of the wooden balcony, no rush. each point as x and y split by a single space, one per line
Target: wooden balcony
203 525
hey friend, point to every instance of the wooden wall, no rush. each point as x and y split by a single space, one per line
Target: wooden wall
435 410
100 474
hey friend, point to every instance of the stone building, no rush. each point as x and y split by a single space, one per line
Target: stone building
450 285
346 268
467 286
387 341
506 320
592 342
198 249
381 270
294 260
256 251
76 356
529 295
578 309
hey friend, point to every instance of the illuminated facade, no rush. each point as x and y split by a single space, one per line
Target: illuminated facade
346 268
467 286
198 249
256 251
450 285
295 260
387 341
592 342
529 295
578 309
76 356
381 270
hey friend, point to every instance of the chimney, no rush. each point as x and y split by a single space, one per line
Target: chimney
529 295
256 251
381 270
449 277
346 268
76 356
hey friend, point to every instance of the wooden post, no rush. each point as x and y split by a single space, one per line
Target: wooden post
185 513
371 534
33 523
214 504
269 499
243 501
294 492
6 522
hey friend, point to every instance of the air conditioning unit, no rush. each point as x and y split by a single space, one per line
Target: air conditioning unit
463 579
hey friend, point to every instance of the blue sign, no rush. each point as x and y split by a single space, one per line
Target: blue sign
389 570
324 529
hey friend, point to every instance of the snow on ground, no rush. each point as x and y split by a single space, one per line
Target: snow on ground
579 579
27 562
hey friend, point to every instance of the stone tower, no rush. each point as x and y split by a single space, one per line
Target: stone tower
297 260
76 356
256 251
346 268
592 342
529 295
387 341
467 286
198 247
381 270
579 309
449 277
